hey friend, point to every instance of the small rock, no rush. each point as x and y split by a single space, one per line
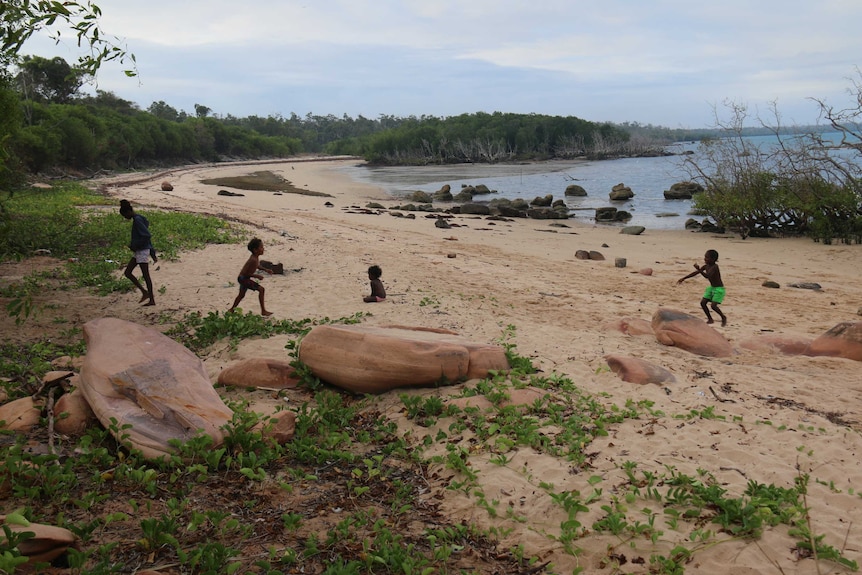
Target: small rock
633 230
620 262
450 256
805 285
771 284
594 255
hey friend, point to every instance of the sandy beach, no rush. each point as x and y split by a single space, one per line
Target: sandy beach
772 416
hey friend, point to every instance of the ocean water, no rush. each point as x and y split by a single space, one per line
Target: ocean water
647 177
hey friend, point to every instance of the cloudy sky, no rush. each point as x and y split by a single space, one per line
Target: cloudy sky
663 62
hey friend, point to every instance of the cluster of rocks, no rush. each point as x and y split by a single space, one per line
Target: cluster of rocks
540 207
704 226
679 329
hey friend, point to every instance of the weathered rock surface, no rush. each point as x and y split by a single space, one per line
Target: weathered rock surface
683 191
142 378
633 230
806 285
72 414
374 359
630 326
279 427
259 372
687 332
48 541
634 370
843 340
777 343
20 414
575 190
621 192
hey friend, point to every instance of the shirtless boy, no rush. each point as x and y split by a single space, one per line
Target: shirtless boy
248 274
714 294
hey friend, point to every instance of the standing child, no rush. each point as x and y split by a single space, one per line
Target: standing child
248 274
714 294
377 291
141 246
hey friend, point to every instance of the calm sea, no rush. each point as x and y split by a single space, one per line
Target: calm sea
647 177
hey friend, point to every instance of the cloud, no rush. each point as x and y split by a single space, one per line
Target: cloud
664 62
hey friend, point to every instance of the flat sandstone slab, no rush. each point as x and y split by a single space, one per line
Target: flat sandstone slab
142 378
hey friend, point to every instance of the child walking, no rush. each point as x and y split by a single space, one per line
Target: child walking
378 293
714 294
248 274
141 246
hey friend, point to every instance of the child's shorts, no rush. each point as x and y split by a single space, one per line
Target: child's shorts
246 283
714 294
142 256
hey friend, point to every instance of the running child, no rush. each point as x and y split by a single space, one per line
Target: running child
714 294
248 274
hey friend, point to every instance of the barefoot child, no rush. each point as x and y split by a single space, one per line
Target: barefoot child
714 294
141 247
377 291
248 274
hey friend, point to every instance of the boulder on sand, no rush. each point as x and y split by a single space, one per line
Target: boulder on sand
843 340
260 372
142 378
634 370
687 332
46 543
374 359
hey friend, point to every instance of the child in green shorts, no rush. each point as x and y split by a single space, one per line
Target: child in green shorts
714 294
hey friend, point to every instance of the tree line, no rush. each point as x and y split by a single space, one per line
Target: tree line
806 184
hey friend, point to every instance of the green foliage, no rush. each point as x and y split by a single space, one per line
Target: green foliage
48 80
483 137
197 331
69 221
801 184
21 19
23 365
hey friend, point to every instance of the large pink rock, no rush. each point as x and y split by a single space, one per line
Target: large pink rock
634 370
259 372
20 415
47 543
687 332
843 340
374 359
140 377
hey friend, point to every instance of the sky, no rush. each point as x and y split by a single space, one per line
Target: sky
661 62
